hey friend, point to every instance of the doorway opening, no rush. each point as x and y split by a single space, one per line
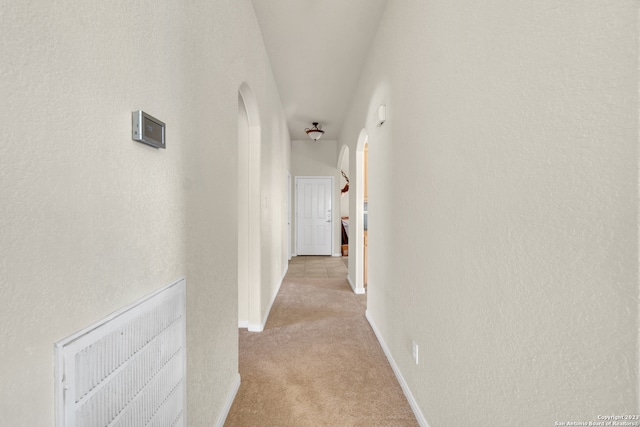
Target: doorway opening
359 221
365 214
249 264
343 168
314 215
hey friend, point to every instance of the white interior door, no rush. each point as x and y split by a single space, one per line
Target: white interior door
314 216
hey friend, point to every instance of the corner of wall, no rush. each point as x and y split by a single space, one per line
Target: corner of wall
235 386
260 327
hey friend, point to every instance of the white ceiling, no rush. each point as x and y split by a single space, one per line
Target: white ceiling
317 50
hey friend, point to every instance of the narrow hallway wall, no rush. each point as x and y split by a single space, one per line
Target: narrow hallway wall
503 206
90 220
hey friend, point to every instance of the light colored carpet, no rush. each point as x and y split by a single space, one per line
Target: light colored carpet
317 363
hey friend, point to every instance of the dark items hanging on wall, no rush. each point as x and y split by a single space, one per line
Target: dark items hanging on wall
346 186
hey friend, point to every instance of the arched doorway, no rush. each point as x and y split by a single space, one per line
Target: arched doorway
357 217
249 264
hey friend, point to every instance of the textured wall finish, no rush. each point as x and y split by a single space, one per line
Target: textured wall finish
503 209
90 220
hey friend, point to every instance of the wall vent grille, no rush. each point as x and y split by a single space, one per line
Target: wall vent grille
127 370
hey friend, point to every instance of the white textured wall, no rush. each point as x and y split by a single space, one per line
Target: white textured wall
90 220
276 155
319 158
503 209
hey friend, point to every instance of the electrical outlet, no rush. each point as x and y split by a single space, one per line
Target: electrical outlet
415 352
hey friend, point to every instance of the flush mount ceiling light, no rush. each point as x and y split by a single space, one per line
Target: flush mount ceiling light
315 132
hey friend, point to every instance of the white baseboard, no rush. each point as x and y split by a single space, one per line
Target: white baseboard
260 327
405 388
243 324
339 254
230 398
359 291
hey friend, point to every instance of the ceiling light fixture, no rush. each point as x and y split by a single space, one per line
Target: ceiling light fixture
315 132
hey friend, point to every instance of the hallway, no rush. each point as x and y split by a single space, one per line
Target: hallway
317 362
502 203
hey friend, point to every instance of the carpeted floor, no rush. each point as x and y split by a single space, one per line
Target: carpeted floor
317 363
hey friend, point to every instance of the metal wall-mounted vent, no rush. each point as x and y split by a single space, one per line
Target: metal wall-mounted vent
127 370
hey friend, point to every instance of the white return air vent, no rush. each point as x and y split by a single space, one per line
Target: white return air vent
128 370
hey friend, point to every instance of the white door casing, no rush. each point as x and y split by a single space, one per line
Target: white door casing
314 215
